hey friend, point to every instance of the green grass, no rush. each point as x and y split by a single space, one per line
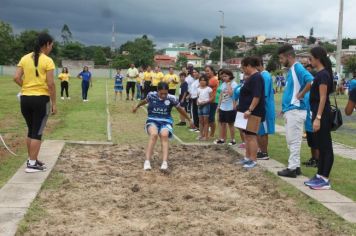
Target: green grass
75 120
327 218
346 134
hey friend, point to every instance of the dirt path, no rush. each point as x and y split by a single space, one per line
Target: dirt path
106 192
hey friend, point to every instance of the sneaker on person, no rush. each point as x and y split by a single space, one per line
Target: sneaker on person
147 165
243 161
321 185
250 164
192 130
242 145
298 171
38 162
34 168
68 98
262 156
182 123
287 173
62 98
164 166
232 142
219 141
197 131
312 181
312 162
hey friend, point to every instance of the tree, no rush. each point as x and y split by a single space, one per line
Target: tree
347 42
206 42
311 39
350 65
273 64
121 61
7 42
181 61
328 46
141 51
99 56
73 51
66 34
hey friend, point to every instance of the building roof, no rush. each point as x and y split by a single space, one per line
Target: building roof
190 56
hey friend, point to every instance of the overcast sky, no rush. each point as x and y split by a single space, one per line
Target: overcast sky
167 21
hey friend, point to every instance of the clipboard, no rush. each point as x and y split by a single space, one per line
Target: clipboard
252 124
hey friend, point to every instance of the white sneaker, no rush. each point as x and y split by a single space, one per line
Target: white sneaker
147 165
62 98
164 165
68 98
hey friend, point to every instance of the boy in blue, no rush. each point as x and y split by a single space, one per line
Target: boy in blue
118 86
159 121
85 75
298 83
268 126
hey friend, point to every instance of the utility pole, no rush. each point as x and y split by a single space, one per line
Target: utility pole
113 39
339 41
222 27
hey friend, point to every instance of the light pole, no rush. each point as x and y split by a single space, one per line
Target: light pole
222 27
339 41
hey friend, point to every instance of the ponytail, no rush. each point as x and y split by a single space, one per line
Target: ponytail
321 54
42 40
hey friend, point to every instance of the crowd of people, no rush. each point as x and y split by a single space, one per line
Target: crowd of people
203 97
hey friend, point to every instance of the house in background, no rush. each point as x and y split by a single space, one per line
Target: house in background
193 59
164 61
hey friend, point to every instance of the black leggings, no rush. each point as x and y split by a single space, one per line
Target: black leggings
130 85
324 142
35 110
64 86
194 112
146 89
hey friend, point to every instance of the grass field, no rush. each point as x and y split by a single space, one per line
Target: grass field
87 121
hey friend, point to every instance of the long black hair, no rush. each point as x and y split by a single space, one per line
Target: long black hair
321 54
42 40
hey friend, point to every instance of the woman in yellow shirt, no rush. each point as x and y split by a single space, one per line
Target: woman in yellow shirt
34 74
172 80
147 80
64 77
157 77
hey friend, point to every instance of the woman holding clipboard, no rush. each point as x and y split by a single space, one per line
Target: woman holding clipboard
251 102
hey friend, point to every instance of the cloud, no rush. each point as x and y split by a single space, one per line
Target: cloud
177 21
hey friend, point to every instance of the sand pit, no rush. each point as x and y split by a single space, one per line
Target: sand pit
106 192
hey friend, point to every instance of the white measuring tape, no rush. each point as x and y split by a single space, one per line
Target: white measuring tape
7 148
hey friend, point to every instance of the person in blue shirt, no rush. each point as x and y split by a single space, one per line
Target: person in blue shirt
85 75
226 109
118 86
159 121
352 82
298 83
267 127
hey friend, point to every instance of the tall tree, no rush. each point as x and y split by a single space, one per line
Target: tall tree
7 42
66 34
73 51
350 65
140 51
311 39
206 42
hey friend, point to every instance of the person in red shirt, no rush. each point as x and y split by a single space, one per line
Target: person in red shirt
213 84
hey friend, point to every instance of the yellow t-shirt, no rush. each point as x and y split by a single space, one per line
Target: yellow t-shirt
64 77
170 79
32 85
157 77
147 76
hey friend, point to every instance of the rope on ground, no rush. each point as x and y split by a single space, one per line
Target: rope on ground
7 148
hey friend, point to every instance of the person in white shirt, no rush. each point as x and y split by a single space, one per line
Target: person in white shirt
193 97
205 96
132 74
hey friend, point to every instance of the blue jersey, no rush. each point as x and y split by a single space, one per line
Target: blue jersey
269 95
118 80
86 75
308 121
159 110
352 84
297 79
